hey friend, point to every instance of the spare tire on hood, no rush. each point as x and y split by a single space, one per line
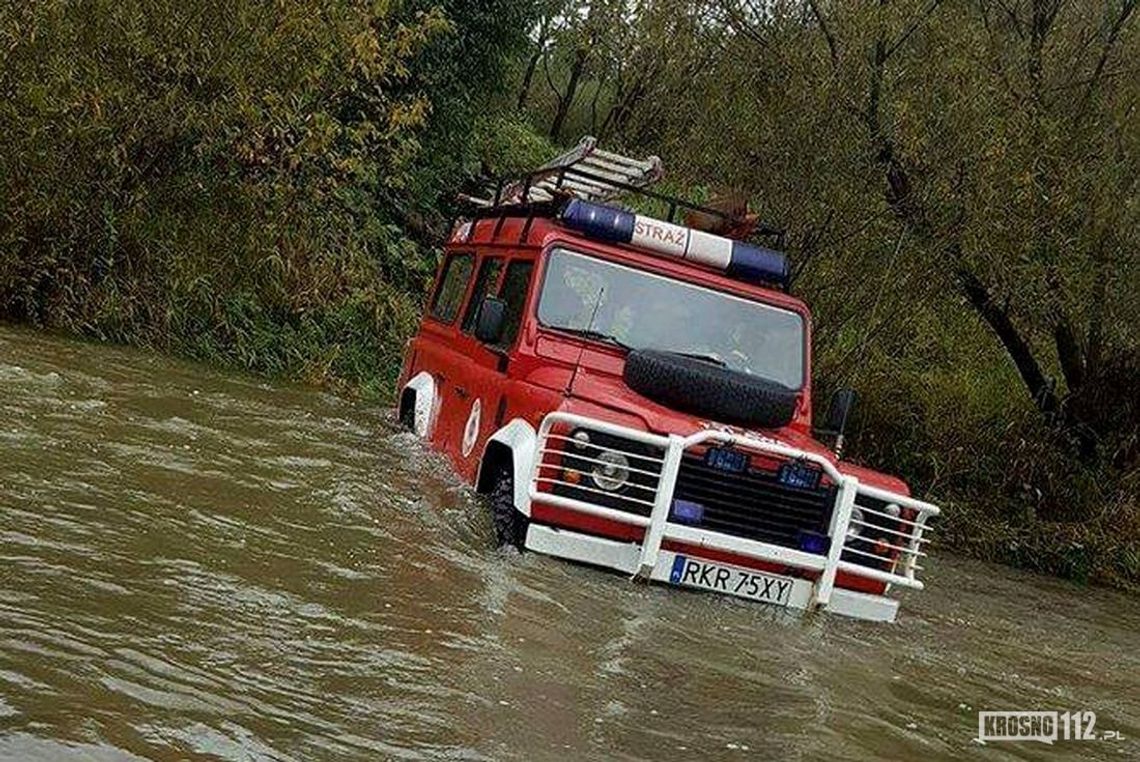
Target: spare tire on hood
702 388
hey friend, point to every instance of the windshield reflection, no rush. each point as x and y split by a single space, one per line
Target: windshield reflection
643 310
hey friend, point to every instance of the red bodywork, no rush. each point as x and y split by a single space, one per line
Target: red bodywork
537 374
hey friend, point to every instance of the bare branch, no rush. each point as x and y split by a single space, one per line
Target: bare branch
1126 10
826 30
732 17
546 72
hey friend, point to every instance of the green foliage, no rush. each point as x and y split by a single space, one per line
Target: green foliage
228 181
464 73
508 146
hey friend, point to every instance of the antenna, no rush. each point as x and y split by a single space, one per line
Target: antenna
582 348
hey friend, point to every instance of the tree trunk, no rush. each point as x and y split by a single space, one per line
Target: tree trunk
528 77
567 99
1069 354
1015 345
532 64
618 117
909 210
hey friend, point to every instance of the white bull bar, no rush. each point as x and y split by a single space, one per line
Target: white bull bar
551 447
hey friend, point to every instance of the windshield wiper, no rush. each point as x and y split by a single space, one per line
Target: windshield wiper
590 333
711 359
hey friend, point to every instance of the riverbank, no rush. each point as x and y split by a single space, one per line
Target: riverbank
1103 551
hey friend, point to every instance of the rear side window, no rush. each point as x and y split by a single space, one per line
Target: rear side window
486 283
515 286
452 287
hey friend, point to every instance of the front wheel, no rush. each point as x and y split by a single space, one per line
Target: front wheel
510 524
407 419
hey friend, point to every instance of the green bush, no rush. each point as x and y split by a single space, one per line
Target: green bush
230 181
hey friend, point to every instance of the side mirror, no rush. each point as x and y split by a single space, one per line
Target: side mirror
491 319
842 401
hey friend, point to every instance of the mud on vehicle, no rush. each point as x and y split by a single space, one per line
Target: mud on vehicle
635 394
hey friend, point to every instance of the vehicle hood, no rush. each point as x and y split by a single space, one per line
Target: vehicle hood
594 391
605 396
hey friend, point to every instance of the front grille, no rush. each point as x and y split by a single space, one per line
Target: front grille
754 505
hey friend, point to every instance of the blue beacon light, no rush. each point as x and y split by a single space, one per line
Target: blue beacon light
737 259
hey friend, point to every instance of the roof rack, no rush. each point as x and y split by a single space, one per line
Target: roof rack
589 173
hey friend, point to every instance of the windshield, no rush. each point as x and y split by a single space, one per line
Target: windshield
642 310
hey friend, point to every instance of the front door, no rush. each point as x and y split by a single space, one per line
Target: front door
481 387
477 385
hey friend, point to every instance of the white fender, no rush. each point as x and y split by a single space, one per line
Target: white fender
426 397
520 437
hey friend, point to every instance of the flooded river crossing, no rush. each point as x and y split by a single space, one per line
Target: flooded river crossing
197 565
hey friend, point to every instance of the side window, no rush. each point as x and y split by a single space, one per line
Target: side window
486 282
514 290
452 286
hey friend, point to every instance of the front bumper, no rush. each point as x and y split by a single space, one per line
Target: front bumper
649 514
626 557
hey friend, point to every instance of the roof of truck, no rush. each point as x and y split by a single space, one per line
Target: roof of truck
605 197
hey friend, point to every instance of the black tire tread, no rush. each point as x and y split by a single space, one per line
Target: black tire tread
407 418
510 525
708 390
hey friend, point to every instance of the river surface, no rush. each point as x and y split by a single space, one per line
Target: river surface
202 566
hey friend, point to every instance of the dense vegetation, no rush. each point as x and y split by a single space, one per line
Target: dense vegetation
235 181
261 186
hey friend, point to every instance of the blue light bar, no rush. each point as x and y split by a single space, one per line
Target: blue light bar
737 259
599 221
799 475
757 264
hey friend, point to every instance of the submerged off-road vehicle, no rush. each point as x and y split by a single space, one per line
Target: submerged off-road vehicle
636 394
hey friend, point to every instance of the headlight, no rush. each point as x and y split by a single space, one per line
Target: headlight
853 529
612 472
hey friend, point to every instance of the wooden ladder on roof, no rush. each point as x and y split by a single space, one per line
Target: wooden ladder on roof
585 172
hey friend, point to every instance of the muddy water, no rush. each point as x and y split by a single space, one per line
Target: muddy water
196 565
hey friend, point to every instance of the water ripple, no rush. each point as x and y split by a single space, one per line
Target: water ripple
195 565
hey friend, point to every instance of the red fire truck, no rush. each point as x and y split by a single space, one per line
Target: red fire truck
634 393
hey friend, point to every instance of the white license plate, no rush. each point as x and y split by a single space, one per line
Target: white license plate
745 583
